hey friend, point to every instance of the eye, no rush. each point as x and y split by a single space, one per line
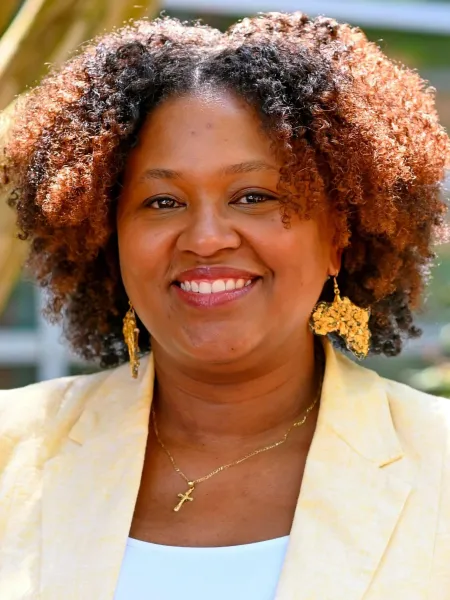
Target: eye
162 202
253 198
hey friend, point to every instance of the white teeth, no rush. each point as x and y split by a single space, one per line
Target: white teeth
218 286
205 287
213 287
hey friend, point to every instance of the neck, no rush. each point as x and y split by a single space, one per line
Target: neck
200 411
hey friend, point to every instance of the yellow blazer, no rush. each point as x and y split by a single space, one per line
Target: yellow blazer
372 520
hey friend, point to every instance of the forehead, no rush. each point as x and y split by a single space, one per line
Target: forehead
200 130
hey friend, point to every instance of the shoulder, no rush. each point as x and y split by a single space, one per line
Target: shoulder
409 408
423 414
38 421
34 409
48 411
420 421
405 420
422 424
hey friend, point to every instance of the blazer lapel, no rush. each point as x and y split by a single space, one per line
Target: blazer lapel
91 486
351 497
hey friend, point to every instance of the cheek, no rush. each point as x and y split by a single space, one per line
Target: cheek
144 254
141 249
299 255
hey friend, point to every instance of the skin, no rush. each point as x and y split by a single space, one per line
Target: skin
232 378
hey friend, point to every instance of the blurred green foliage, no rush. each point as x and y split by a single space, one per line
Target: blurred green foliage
416 50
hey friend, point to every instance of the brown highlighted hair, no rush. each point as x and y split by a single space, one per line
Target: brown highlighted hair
356 130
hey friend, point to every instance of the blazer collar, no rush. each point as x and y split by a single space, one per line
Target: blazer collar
348 507
355 407
117 396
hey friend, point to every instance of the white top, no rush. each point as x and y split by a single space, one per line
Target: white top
156 572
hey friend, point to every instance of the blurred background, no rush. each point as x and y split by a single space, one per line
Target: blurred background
35 33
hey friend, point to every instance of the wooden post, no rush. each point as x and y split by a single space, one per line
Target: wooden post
55 28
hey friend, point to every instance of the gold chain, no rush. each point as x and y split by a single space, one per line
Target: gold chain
192 483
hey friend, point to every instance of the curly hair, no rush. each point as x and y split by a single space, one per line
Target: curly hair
355 130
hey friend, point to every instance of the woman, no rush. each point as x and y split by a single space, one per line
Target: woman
229 200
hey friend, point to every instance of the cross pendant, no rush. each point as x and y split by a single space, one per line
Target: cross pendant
184 498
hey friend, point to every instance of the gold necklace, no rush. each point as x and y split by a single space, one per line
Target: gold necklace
187 496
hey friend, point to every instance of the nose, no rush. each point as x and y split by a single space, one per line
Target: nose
207 231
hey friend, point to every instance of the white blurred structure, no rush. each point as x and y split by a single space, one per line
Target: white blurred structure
40 347
432 17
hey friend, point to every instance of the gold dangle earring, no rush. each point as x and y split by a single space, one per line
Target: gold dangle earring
131 335
349 321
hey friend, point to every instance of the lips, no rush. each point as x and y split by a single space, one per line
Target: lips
208 287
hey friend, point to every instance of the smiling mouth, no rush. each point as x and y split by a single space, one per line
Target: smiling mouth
210 293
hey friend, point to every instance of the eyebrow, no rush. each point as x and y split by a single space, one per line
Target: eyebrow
244 167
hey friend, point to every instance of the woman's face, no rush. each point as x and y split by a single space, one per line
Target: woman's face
205 259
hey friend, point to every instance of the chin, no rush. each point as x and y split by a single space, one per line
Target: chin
219 349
